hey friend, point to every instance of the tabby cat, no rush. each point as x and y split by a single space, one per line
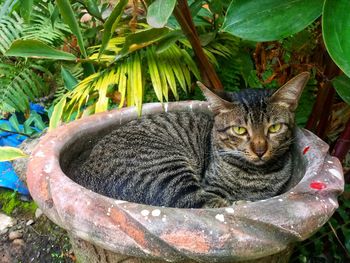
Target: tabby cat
192 159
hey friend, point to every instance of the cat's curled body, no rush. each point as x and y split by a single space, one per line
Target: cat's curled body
194 159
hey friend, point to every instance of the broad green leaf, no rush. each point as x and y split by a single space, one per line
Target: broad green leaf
336 32
11 153
92 7
69 80
57 114
267 20
26 8
159 12
142 39
195 7
69 18
36 49
168 40
14 123
54 15
342 86
111 24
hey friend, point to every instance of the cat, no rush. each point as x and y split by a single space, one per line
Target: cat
200 160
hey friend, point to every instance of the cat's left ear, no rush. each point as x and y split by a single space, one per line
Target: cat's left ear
289 94
217 104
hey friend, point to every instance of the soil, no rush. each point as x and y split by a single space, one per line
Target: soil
33 239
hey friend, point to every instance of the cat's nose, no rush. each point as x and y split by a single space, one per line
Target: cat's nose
259 148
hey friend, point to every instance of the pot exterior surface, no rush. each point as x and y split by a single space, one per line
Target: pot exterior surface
245 231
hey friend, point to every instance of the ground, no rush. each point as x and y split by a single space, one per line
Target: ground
32 238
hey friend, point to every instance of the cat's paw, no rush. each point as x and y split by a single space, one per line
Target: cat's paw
241 202
217 203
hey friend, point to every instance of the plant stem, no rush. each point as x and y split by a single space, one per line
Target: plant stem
14 132
183 16
342 146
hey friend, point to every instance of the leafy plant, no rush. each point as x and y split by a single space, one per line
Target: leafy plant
11 153
21 80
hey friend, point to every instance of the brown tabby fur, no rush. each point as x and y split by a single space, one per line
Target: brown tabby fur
189 159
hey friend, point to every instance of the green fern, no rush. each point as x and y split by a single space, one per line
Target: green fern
11 28
20 84
42 28
22 81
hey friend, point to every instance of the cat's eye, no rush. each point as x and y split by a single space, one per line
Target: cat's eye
239 130
275 128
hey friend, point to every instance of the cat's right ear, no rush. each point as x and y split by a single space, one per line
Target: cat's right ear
217 104
289 94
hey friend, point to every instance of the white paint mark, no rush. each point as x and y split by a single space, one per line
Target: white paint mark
336 173
329 162
280 199
48 168
145 212
166 107
191 106
156 212
229 210
40 154
291 227
163 219
220 217
110 115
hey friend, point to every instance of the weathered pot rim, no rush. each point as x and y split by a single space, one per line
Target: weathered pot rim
243 231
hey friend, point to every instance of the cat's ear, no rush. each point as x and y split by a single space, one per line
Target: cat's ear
289 94
217 104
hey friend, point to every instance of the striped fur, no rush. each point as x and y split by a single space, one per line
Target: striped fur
187 159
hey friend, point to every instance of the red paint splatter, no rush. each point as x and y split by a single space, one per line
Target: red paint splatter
318 185
306 149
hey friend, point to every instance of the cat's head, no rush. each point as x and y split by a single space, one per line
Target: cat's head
254 125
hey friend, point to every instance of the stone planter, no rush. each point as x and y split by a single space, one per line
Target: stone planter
108 230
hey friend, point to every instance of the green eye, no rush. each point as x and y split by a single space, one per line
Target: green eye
239 130
275 128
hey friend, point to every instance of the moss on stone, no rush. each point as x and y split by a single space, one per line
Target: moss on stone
9 201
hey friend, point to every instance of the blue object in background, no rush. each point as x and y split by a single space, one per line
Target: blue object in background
8 177
37 108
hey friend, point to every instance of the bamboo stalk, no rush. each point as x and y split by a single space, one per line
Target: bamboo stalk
208 73
326 110
321 112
